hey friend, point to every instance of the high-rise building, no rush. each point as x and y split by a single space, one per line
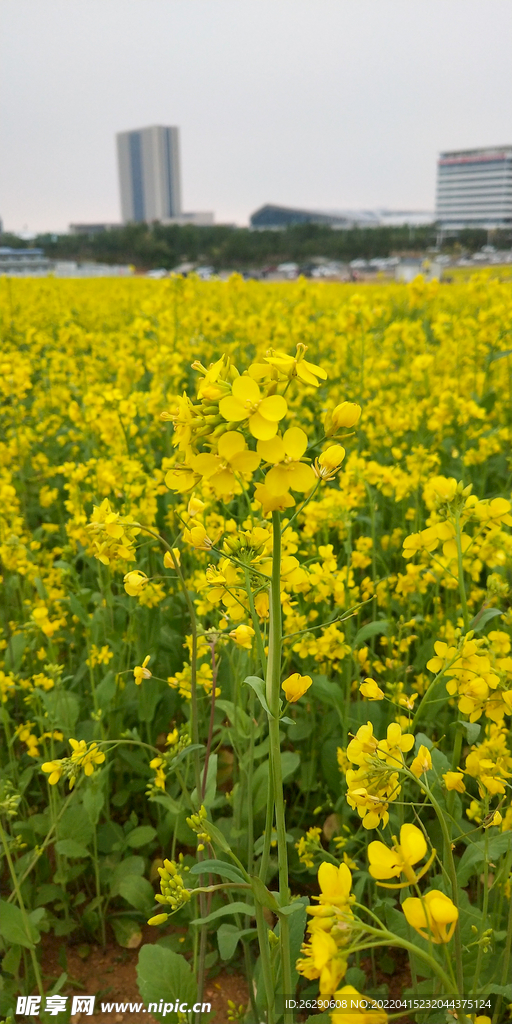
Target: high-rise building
474 188
149 174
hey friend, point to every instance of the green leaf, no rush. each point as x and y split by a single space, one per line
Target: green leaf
62 709
128 866
211 785
138 892
14 652
75 825
290 761
183 754
93 799
78 609
258 686
70 848
166 801
164 976
11 960
218 837
474 856
127 932
238 718
140 836
218 867
231 908
263 895
484 616
14 929
501 355
471 729
330 693
371 629
106 691
228 937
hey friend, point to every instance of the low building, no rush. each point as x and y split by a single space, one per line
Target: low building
23 262
203 219
273 217
91 229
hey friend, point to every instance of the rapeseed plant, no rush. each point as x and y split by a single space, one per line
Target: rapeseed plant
306 536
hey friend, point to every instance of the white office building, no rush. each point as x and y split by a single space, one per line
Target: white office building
149 174
474 188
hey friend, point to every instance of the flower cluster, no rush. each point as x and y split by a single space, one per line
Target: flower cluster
173 892
85 758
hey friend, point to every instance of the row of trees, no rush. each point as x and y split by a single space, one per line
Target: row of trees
222 246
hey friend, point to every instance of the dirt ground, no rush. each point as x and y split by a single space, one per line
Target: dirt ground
110 974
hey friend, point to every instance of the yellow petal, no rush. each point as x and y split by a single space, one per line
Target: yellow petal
230 444
301 477
273 408
261 428
412 843
295 442
273 450
246 390
205 464
245 462
278 480
223 482
232 409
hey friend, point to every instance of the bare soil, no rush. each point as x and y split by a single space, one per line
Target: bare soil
110 974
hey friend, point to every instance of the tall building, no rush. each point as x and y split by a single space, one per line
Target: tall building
474 188
149 174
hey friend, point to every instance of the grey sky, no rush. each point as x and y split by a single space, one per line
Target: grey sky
326 103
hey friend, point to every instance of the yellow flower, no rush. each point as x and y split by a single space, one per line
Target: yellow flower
55 769
328 463
84 756
158 919
344 415
422 762
296 366
140 672
288 471
168 559
296 686
359 1008
232 457
134 582
362 745
272 502
434 916
454 780
370 690
335 885
385 863
242 636
246 402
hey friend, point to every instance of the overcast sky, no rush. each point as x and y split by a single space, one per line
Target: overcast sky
322 103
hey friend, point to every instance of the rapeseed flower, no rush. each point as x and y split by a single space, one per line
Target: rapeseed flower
434 916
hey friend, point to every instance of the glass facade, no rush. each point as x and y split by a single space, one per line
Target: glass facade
474 188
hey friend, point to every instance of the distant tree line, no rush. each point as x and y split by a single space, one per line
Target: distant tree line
224 247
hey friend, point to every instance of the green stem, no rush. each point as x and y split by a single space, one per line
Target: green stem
505 976
450 865
485 909
26 921
266 966
272 688
98 888
462 588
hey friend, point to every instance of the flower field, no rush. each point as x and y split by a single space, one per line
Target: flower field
255 650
